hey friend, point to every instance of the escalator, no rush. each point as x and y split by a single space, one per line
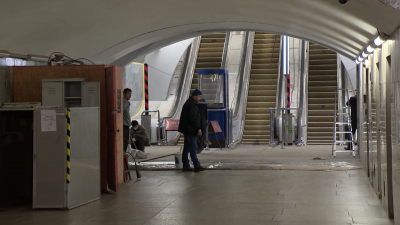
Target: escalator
262 88
210 56
322 85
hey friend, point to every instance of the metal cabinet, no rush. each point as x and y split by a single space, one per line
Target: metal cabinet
70 93
66 157
51 155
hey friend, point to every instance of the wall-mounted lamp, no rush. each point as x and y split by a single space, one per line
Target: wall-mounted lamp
4 54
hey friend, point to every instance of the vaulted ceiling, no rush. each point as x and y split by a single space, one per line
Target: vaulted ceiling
117 31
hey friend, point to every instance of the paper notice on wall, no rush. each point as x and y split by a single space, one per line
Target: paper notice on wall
48 120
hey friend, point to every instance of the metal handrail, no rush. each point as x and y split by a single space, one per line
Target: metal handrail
225 51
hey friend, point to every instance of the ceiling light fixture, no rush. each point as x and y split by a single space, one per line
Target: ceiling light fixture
370 49
378 41
364 55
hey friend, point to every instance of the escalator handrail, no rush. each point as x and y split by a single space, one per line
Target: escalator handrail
186 83
180 84
244 70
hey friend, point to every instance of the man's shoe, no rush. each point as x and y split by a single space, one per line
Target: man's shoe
187 169
207 142
198 169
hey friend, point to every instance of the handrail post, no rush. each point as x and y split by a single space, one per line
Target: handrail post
283 128
271 127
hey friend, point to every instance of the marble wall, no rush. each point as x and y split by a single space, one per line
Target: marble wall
379 149
395 116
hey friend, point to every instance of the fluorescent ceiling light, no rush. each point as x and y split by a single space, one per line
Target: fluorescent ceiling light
4 54
378 41
40 58
357 62
370 49
360 59
364 55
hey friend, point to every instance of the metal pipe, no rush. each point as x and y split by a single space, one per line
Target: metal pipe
302 89
279 99
360 105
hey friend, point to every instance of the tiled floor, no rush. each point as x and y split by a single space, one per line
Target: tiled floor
268 197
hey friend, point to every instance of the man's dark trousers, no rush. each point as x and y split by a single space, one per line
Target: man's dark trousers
126 137
353 131
190 147
139 144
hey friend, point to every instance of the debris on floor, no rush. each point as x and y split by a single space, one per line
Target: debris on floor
318 158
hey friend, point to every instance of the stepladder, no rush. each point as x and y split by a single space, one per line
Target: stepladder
342 130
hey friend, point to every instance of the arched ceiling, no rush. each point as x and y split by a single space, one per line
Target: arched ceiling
116 31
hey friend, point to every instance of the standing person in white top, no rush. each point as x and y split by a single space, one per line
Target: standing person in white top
127 116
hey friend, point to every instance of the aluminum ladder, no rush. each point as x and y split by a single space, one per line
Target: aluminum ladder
344 112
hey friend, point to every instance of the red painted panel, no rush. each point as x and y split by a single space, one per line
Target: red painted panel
112 163
215 126
171 125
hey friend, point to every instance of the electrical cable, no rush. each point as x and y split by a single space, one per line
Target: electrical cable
87 60
53 54
71 60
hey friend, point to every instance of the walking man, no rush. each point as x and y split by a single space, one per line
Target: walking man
127 116
190 127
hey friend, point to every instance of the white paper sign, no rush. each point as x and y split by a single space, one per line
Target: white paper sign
49 120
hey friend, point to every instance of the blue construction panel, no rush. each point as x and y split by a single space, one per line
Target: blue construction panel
212 71
220 116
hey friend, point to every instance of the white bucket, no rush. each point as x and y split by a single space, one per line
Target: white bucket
178 160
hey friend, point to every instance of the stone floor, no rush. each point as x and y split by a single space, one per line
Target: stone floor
260 157
269 197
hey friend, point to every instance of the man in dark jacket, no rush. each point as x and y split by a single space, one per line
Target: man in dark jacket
353 111
190 127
